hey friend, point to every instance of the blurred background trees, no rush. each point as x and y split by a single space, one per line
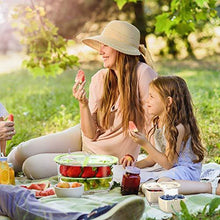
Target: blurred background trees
170 28
172 20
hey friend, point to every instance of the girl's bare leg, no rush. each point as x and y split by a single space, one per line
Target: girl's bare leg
193 187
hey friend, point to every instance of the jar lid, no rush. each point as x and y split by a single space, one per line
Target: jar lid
10 165
131 169
2 159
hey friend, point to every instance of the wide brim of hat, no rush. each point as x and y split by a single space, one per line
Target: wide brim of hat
96 41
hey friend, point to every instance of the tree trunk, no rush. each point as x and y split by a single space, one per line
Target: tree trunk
140 21
172 47
188 47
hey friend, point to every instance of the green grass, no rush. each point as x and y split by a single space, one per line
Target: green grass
41 106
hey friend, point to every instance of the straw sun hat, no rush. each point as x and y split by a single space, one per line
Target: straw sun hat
119 35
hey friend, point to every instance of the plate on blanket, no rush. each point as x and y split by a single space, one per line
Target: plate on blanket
40 189
44 193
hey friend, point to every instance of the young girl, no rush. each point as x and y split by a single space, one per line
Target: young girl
173 142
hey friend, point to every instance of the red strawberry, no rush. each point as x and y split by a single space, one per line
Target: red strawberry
88 172
63 170
103 172
80 77
74 171
11 117
24 186
132 126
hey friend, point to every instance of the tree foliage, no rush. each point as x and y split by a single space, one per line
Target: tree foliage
181 17
46 47
47 50
121 3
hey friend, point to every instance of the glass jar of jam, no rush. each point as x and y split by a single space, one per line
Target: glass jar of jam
130 181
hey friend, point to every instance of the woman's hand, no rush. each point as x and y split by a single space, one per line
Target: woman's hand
138 138
79 92
7 130
127 160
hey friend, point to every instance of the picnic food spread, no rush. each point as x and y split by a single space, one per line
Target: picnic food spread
7 175
41 189
94 171
130 181
65 189
11 117
170 203
153 192
80 77
132 126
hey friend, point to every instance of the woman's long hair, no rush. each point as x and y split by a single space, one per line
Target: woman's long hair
180 111
125 84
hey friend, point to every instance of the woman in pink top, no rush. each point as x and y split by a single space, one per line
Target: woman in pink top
117 95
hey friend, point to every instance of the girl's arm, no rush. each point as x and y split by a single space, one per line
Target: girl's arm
157 156
146 162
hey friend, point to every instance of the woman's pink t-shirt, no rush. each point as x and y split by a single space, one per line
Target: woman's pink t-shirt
113 141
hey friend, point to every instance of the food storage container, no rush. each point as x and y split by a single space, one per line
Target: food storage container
94 171
152 191
168 203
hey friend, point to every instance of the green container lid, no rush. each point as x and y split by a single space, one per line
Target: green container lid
82 159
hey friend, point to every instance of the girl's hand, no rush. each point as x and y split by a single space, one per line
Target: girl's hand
138 138
79 92
127 160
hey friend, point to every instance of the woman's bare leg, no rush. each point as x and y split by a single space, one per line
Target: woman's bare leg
61 142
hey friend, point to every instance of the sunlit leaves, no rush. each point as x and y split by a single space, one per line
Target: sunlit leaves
164 23
121 3
45 47
201 3
182 16
187 14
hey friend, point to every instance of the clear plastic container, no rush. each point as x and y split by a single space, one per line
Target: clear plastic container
94 171
130 181
91 184
4 171
11 174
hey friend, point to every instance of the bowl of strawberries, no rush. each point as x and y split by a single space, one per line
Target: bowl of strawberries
94 171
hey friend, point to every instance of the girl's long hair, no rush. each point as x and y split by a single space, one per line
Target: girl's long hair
125 84
180 111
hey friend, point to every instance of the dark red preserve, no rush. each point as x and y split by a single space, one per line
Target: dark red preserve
130 181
